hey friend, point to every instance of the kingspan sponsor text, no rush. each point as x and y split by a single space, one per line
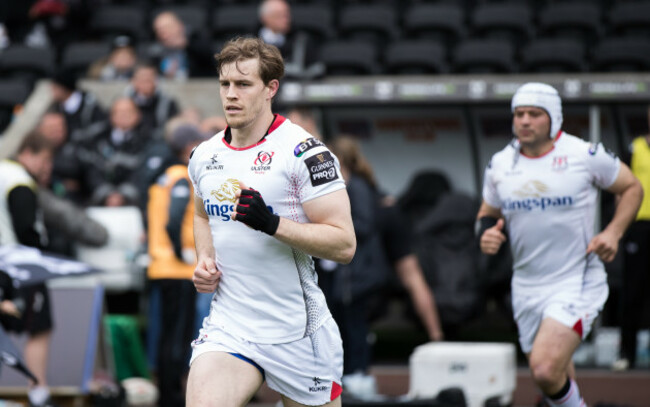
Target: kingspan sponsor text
541 203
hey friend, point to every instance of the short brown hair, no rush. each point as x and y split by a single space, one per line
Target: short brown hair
243 48
36 142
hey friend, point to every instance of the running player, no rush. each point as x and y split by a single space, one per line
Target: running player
268 197
543 190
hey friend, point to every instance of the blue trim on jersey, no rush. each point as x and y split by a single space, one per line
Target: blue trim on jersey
245 359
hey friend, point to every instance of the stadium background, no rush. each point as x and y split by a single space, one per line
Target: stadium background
443 107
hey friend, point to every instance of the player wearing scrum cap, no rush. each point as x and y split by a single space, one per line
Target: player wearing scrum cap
540 194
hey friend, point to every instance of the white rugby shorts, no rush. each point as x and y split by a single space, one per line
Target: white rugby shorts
308 370
575 308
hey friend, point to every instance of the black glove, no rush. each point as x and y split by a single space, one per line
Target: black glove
253 212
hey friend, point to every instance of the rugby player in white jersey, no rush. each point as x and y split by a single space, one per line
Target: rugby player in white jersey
268 197
543 190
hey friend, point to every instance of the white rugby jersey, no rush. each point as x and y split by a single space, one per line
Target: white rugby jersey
549 204
268 292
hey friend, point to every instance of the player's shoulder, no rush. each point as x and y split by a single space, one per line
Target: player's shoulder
207 146
505 156
297 140
581 148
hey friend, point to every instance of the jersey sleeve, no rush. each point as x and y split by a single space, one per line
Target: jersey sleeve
603 165
192 170
316 171
490 194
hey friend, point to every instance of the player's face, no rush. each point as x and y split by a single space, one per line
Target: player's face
531 125
243 93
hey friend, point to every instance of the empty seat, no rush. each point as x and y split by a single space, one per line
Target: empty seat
484 56
510 21
626 54
108 22
20 61
194 17
415 57
554 55
580 20
630 18
376 23
442 22
78 56
317 20
349 58
229 21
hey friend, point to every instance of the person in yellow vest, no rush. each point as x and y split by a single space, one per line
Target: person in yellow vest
170 214
636 271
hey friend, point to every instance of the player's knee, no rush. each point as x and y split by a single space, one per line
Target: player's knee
546 373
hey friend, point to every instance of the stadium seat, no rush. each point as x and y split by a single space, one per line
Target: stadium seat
192 16
317 20
230 20
443 22
78 56
376 23
580 20
108 22
621 54
20 61
512 21
484 56
554 55
117 258
349 58
415 57
630 18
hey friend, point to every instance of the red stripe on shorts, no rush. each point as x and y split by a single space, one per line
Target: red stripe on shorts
336 391
578 328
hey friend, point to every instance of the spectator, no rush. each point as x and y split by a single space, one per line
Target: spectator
66 174
171 249
155 105
180 53
637 258
296 47
80 108
354 285
63 221
21 223
110 157
119 64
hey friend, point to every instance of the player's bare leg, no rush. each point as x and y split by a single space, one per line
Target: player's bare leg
290 403
219 379
551 365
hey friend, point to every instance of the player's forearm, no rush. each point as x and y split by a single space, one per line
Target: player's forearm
629 202
319 240
203 238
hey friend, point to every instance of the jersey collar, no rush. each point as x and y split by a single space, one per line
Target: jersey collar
227 138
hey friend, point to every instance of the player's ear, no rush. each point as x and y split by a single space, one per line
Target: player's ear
273 87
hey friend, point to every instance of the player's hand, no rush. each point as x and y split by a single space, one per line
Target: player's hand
493 238
605 245
252 211
206 276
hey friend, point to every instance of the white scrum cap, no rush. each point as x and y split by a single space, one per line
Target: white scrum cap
543 96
